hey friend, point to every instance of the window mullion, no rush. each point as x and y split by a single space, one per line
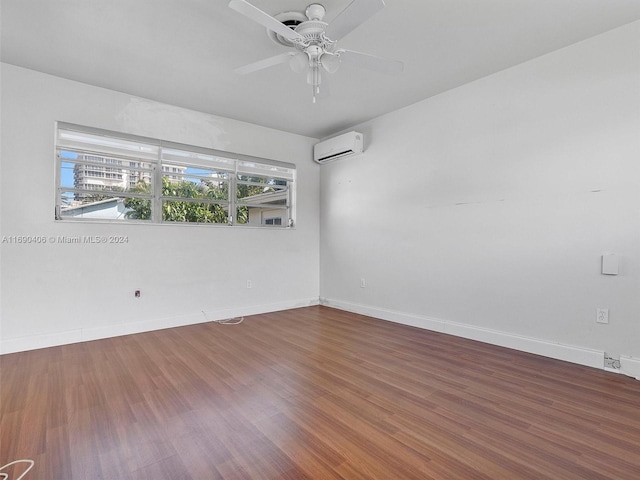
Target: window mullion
156 203
289 205
58 175
233 185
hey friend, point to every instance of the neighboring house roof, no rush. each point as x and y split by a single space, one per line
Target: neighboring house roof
93 206
266 198
111 208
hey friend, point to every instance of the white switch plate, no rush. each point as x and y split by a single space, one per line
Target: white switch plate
602 315
610 264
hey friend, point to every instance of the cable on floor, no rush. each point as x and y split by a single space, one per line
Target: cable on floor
5 476
224 321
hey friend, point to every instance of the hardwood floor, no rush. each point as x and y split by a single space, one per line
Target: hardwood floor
312 393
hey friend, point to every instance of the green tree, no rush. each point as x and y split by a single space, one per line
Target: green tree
139 208
179 210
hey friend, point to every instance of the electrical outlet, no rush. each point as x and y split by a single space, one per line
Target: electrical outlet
602 315
363 283
249 284
611 362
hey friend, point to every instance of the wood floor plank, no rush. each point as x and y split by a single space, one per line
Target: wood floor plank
312 393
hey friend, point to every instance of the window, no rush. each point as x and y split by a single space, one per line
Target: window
273 221
109 176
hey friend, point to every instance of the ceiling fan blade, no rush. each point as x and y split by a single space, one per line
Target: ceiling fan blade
353 15
264 19
266 63
371 62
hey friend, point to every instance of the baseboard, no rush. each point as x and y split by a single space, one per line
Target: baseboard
568 353
593 358
33 342
630 366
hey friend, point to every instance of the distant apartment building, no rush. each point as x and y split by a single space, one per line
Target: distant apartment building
105 173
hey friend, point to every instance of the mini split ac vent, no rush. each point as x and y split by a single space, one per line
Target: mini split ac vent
344 145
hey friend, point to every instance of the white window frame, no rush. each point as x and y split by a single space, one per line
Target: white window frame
154 158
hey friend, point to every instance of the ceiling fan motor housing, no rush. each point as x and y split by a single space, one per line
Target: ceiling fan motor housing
312 31
309 25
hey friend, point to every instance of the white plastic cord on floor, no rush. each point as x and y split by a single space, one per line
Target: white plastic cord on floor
5 476
226 321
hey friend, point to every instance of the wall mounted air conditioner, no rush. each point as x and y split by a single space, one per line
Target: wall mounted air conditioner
344 145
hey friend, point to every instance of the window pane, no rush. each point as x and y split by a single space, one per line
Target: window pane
262 197
253 189
193 212
105 145
105 207
191 182
102 174
199 159
266 170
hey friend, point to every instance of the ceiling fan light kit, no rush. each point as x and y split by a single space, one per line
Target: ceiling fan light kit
315 11
315 41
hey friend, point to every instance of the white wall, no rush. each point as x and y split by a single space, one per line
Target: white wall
53 293
484 211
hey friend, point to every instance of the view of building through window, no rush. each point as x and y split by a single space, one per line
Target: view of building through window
105 177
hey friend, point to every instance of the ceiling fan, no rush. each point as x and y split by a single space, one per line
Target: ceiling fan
314 42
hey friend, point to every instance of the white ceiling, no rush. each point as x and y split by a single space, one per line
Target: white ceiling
183 52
